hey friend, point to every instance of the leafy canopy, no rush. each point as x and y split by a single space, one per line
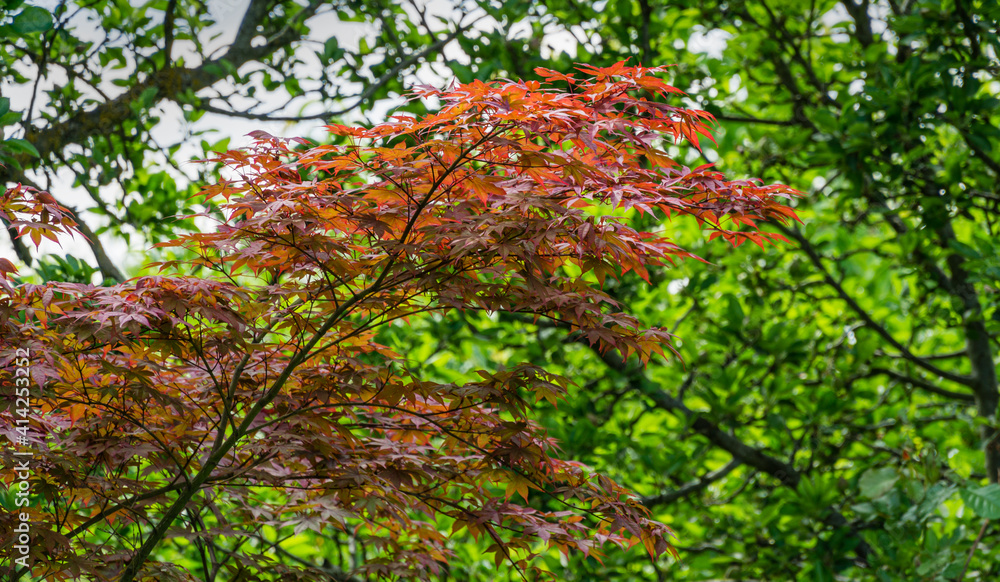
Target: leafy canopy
253 397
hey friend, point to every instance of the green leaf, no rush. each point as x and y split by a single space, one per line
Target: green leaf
148 96
964 249
877 482
32 19
825 120
865 348
981 143
9 118
820 572
21 146
734 312
984 501
332 50
4 105
933 499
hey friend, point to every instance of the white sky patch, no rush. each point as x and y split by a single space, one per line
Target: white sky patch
711 43
836 20
677 285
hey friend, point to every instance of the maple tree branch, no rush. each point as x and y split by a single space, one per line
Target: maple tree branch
227 555
123 505
454 433
227 400
104 263
196 79
196 524
219 452
449 261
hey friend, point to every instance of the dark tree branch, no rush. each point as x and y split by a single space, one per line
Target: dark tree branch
645 48
972 550
784 472
777 24
252 19
969 28
104 263
984 157
691 487
260 116
946 356
412 59
169 83
361 99
977 344
922 384
736 119
862 21
817 261
168 32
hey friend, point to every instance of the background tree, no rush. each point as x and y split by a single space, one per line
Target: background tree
839 414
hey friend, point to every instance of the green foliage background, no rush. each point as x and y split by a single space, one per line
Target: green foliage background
835 413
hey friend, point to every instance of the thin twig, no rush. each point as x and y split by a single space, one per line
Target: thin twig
972 550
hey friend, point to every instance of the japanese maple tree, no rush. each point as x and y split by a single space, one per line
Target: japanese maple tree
243 391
